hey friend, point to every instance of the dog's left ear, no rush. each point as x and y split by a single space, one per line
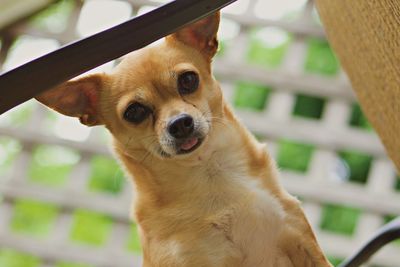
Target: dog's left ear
201 35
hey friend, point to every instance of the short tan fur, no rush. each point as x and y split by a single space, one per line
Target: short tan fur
207 193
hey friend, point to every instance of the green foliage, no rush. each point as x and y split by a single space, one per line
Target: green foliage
389 218
222 46
359 165
106 175
51 165
335 261
358 119
264 54
308 106
294 156
134 241
69 264
339 219
33 217
90 228
19 115
11 258
251 95
54 18
320 59
397 184
9 148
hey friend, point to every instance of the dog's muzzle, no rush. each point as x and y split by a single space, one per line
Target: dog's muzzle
182 129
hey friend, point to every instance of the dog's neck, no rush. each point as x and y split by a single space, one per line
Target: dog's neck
229 152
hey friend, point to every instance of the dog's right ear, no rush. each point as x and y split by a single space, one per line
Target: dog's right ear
77 98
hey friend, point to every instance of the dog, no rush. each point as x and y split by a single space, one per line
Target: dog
207 192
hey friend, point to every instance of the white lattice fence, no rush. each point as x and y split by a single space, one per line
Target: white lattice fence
273 66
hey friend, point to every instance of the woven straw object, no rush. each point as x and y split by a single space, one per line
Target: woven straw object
366 38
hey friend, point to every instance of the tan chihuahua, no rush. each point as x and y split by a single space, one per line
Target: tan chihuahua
207 193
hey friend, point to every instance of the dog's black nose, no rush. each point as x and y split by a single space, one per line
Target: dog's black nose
181 126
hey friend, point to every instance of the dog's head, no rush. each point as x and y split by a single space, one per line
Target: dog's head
160 100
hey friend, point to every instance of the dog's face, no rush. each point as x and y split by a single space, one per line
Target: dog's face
161 100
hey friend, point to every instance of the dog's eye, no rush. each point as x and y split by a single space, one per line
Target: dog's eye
136 113
188 82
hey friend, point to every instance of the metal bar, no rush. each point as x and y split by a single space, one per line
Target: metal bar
26 81
385 235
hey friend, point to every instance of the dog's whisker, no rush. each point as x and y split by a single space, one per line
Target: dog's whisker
147 137
146 155
222 122
210 118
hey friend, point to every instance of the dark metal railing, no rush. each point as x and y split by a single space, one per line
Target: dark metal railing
385 235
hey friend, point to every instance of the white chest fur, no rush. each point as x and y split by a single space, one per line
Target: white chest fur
236 223
257 226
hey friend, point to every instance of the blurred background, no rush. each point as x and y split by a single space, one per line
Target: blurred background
64 201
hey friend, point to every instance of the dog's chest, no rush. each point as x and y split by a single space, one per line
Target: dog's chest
257 226
236 225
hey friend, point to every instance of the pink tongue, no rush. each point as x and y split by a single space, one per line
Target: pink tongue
189 143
